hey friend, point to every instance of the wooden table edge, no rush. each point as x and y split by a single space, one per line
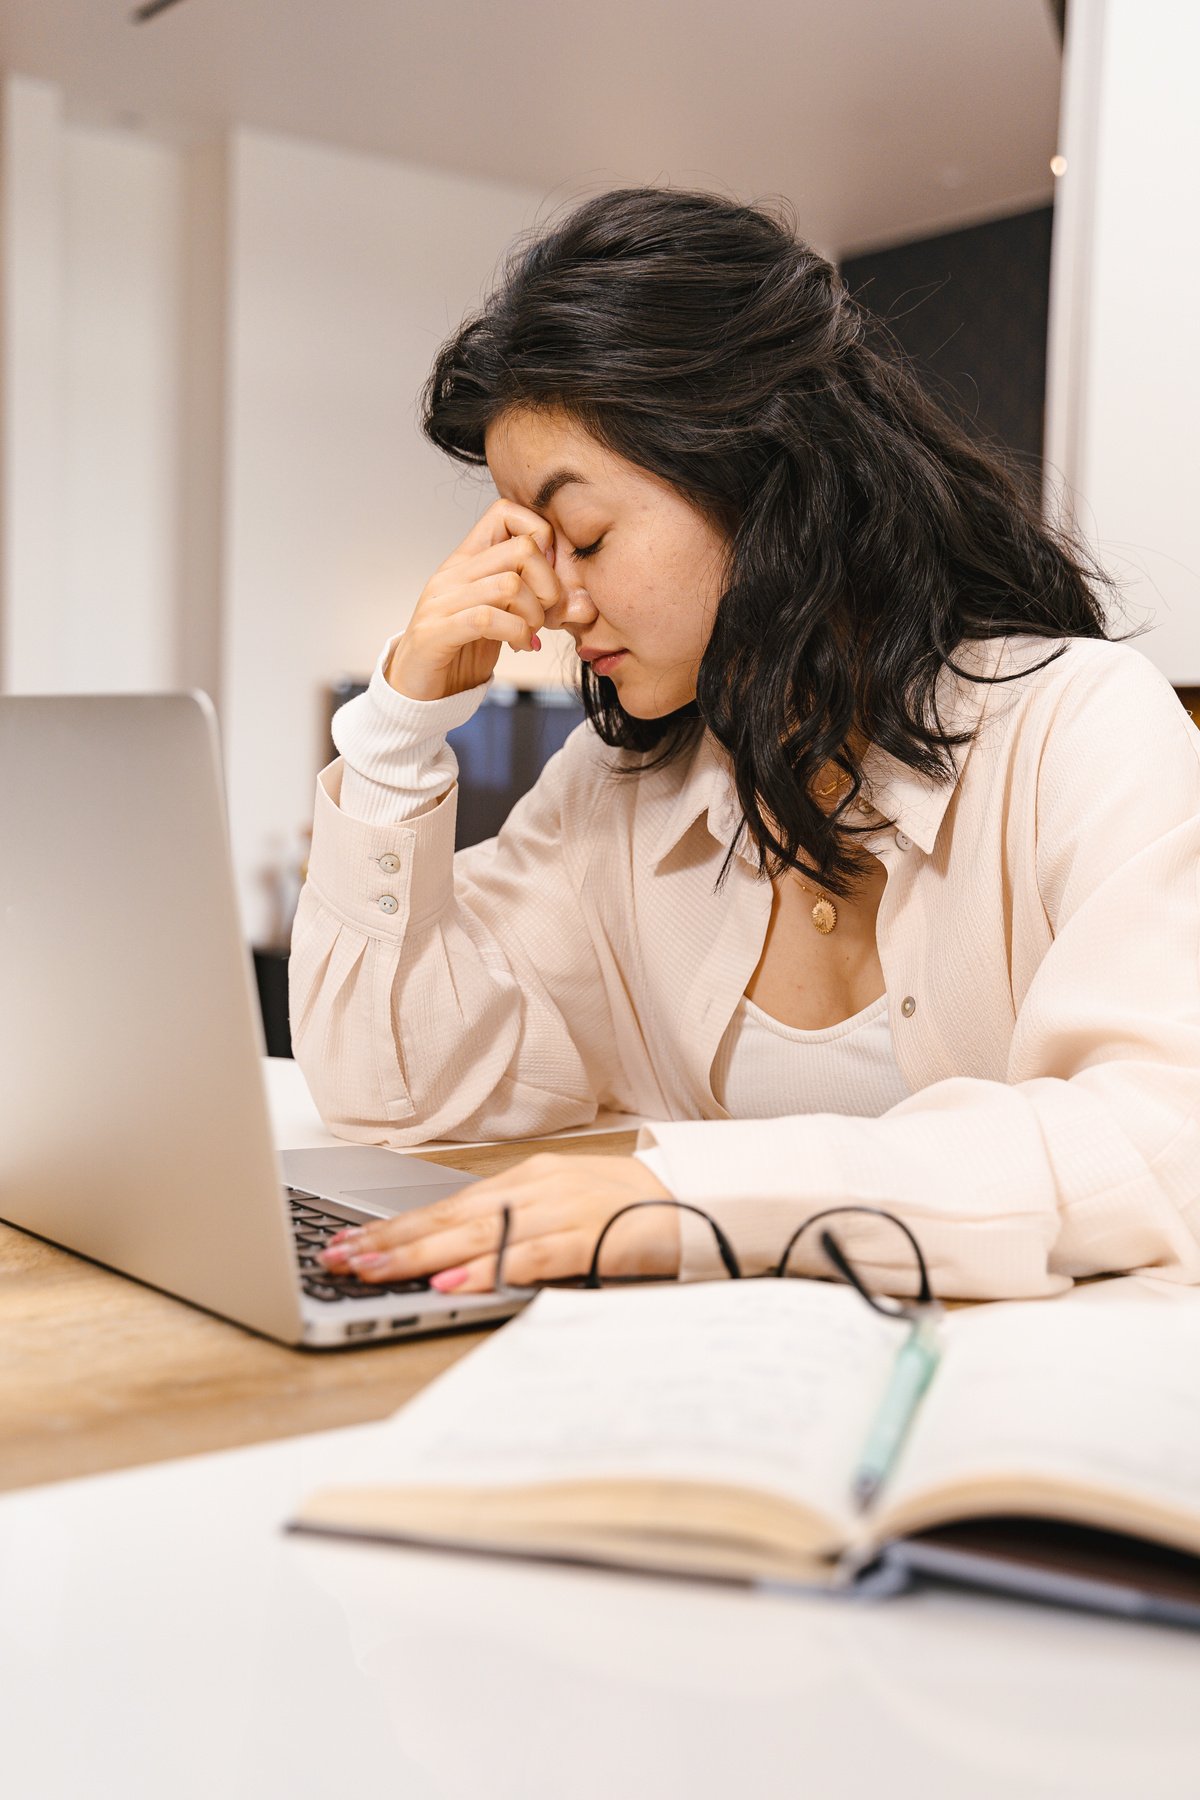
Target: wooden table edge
98 1372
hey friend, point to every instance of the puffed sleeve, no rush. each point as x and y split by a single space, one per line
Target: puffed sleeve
442 995
1087 1159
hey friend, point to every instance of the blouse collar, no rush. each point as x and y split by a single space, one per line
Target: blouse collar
914 803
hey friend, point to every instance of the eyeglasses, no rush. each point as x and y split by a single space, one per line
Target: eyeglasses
890 1306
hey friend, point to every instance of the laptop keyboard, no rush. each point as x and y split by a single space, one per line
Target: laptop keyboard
312 1228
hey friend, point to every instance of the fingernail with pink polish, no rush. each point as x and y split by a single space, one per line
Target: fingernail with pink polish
535 642
371 1260
448 1280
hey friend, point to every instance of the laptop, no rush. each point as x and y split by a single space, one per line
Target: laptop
134 1126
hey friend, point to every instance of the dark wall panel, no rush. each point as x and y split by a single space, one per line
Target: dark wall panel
971 309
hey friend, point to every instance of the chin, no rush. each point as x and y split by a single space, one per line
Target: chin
653 705
642 709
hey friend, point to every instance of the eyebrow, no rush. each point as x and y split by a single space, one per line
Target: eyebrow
551 485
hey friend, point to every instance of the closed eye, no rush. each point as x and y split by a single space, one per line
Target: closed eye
586 550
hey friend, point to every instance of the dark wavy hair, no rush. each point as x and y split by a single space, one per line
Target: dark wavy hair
868 536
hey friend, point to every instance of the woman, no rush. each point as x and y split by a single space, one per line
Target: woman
873 874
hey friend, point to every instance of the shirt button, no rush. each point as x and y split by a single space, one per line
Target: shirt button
388 903
908 1006
902 842
389 863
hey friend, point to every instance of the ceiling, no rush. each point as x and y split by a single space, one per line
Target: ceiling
879 119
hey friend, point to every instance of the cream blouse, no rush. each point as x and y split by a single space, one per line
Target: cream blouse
1039 936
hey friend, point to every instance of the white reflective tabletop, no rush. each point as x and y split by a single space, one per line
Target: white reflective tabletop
162 1638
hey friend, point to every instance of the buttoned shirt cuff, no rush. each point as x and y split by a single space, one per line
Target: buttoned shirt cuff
653 1159
381 877
756 1199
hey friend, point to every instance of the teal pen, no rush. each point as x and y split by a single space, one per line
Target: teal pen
916 1359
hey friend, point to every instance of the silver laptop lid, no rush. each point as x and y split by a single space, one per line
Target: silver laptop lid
133 1121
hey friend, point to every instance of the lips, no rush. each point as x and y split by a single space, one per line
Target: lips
589 653
603 662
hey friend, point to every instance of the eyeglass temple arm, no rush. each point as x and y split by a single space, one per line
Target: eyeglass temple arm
724 1247
505 1232
846 1269
841 1262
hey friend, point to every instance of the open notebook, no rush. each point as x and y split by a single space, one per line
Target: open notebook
714 1430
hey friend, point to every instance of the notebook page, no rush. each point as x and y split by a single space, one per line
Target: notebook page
1099 1387
756 1383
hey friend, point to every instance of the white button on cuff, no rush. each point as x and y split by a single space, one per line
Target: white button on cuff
902 842
388 903
389 863
908 1006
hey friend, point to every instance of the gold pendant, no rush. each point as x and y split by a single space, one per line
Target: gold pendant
824 916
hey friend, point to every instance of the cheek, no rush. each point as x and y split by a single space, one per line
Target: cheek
680 607
615 586
664 597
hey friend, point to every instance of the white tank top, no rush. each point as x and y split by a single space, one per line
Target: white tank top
765 1070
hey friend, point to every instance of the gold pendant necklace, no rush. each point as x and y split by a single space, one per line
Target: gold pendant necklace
824 913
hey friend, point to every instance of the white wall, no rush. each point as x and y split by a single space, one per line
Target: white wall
1123 415
92 420
212 474
122 304
345 272
31 286
112 250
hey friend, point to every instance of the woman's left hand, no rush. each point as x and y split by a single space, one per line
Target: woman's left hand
559 1205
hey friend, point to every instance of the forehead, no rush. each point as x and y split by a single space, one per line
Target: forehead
525 448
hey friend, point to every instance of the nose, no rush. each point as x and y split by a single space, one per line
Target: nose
576 608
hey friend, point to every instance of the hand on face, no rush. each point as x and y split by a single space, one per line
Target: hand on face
499 587
604 550
558 1204
654 565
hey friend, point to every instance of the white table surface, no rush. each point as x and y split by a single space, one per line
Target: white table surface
298 1126
161 1638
